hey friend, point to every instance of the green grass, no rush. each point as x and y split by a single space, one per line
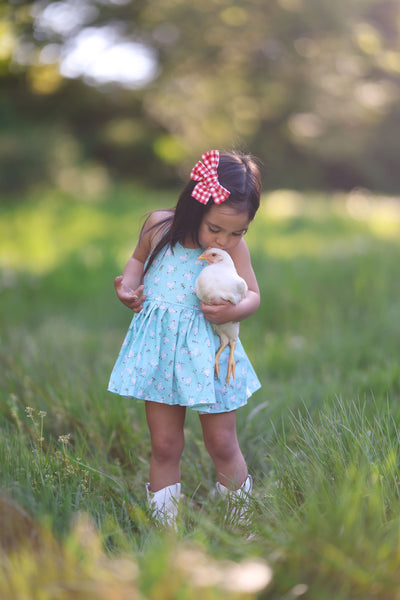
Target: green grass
321 436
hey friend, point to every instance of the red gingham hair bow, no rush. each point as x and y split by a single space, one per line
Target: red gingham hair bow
205 172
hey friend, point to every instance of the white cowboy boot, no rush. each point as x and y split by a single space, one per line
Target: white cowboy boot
164 503
237 500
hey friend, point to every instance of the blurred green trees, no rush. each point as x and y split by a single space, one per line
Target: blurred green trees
309 86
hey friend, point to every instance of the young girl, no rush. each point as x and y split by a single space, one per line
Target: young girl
167 358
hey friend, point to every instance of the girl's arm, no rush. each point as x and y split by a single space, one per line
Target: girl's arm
226 311
129 286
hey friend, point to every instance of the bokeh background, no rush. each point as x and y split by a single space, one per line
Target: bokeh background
94 91
105 105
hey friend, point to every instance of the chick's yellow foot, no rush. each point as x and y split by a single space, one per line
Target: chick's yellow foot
216 360
231 362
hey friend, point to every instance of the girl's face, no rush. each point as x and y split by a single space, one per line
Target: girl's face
223 227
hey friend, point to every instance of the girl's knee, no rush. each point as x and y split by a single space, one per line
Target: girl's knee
222 445
165 447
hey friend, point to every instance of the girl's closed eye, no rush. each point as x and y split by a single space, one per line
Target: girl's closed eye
236 233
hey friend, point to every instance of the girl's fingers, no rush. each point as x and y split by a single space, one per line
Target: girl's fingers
137 304
133 299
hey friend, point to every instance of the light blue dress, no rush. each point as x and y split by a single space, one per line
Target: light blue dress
168 353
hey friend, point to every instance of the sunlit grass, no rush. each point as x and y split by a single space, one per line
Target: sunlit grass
296 223
38 235
339 484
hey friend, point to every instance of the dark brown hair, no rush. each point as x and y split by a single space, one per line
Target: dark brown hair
239 174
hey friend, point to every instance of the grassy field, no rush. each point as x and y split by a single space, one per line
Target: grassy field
321 437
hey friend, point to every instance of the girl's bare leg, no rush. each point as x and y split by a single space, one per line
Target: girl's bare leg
167 441
220 439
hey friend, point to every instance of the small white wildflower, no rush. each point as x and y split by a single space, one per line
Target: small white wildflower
64 439
29 411
42 413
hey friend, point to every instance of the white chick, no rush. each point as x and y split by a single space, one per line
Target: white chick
220 281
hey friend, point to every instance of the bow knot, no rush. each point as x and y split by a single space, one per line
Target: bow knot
205 172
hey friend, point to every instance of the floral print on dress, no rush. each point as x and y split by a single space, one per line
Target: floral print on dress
168 353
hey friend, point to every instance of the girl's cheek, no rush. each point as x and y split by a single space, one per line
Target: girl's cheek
234 242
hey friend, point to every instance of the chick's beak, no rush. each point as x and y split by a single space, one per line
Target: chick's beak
203 257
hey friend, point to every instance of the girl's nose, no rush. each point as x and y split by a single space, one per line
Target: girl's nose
221 240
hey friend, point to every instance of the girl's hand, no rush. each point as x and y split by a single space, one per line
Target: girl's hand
223 312
133 299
